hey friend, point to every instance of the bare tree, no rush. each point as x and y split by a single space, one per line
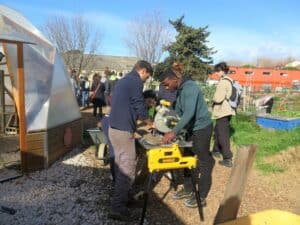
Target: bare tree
147 37
75 39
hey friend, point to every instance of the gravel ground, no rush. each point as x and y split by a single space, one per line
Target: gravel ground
77 189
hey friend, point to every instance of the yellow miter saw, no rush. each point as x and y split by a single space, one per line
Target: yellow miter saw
166 157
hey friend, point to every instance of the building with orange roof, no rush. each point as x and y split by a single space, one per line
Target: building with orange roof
263 78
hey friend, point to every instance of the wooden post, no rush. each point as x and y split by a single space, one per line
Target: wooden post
21 102
11 75
230 204
2 102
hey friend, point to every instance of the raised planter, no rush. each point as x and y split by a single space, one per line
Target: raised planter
277 122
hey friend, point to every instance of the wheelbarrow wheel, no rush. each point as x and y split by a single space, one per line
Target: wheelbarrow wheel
102 154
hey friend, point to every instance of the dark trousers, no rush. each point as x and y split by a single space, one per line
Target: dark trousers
201 143
97 104
222 137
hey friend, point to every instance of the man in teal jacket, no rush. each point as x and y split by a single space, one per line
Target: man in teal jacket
195 118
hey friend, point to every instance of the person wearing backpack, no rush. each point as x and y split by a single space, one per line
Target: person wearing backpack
222 112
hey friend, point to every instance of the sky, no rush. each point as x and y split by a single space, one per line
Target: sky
239 29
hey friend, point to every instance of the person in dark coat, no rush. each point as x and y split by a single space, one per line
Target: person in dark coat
128 105
167 95
97 95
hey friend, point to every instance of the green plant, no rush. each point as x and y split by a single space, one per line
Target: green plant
286 113
208 92
269 142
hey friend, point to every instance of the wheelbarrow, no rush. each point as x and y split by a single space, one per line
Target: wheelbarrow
101 143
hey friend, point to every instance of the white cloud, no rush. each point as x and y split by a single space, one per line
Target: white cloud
246 45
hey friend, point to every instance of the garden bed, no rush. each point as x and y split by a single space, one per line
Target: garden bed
277 122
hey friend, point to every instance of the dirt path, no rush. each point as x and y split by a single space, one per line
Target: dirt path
276 191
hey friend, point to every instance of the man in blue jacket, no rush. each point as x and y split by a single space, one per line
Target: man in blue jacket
127 107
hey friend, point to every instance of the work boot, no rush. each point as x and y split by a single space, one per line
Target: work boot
226 162
182 194
192 202
216 154
135 199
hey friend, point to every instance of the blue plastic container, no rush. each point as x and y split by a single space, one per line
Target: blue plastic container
272 122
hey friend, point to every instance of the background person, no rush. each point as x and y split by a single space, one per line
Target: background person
150 102
222 112
120 75
105 80
74 82
195 118
113 79
97 96
84 88
165 94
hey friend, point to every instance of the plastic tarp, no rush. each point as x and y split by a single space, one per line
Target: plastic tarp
49 99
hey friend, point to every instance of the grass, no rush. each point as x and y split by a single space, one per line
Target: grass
267 168
286 113
269 142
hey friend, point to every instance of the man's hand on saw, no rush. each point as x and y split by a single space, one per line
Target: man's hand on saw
168 137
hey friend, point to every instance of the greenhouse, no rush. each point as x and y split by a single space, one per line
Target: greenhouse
36 86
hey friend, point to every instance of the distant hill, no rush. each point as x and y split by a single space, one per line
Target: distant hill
114 63
117 63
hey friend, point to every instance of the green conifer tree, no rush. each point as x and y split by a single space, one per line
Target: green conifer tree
190 48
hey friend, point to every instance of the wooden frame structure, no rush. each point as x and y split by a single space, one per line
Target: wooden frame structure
39 149
20 98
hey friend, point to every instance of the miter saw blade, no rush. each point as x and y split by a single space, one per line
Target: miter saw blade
165 119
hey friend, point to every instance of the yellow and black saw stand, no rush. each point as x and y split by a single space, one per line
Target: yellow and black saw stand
168 158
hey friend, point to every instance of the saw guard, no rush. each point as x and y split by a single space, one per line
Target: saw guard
165 119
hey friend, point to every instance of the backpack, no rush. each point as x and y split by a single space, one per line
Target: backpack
237 89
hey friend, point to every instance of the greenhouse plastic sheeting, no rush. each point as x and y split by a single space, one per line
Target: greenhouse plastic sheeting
49 99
